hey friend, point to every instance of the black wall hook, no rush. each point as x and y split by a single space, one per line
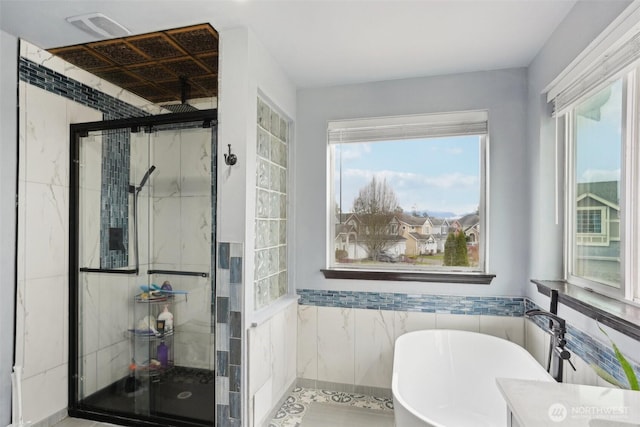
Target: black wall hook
230 159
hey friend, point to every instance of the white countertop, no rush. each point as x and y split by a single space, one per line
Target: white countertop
540 403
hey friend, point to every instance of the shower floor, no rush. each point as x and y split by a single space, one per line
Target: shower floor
181 393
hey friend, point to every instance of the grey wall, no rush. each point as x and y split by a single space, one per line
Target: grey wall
585 22
8 166
502 93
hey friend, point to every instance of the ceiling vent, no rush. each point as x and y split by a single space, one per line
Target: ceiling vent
98 25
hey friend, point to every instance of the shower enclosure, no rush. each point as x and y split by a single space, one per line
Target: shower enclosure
142 234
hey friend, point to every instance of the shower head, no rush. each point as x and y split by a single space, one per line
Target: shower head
146 177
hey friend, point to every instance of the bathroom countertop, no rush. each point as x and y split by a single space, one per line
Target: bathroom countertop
540 403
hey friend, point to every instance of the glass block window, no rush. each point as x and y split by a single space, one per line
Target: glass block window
271 206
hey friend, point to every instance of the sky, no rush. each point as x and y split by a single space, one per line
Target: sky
443 174
598 157
438 174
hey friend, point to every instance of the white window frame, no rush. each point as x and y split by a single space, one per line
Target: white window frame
421 126
614 53
629 209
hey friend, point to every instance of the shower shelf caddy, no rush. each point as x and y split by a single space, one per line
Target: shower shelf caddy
146 340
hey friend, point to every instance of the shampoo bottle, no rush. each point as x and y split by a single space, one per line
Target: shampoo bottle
163 354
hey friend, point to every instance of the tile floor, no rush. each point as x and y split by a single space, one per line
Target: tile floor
373 411
343 409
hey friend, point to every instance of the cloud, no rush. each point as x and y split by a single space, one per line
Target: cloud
455 151
354 151
399 180
600 175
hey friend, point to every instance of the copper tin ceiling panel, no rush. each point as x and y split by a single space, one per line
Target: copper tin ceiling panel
152 65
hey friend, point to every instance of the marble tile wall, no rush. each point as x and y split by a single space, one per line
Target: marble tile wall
272 363
42 320
115 166
353 347
347 338
182 235
270 278
53 94
229 335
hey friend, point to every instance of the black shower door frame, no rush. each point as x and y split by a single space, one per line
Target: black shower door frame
209 118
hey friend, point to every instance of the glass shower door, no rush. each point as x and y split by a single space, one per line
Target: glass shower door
144 343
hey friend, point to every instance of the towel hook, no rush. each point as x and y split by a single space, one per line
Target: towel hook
230 159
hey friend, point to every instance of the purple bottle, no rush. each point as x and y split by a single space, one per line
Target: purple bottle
163 354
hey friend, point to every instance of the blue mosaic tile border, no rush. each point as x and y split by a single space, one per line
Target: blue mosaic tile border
229 335
588 349
493 306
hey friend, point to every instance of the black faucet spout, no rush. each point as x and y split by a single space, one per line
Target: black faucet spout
560 322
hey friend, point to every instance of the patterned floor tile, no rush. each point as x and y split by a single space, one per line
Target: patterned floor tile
292 411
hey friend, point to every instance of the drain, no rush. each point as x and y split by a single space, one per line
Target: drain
184 395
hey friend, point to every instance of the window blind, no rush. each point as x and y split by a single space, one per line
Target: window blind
604 60
408 127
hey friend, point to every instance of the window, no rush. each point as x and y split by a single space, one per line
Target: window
404 180
602 159
589 221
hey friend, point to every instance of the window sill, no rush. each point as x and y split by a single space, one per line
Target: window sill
622 316
409 276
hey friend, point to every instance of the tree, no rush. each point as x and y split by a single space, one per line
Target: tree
462 257
450 250
375 206
455 250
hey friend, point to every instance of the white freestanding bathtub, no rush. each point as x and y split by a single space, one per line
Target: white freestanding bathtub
446 378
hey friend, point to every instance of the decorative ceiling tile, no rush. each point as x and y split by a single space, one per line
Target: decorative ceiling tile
119 52
186 68
157 46
210 60
153 72
83 58
152 65
199 39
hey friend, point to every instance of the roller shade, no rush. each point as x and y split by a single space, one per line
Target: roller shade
613 53
600 75
408 127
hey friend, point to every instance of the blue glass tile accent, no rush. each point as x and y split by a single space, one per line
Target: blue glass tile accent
235 405
232 308
235 351
589 349
223 256
236 270
222 416
222 363
235 321
222 310
235 377
114 198
494 306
